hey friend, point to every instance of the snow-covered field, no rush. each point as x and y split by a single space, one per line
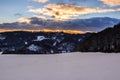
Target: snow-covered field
72 66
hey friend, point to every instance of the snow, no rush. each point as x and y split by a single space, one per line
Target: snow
40 38
72 66
79 40
11 49
1 52
54 44
54 37
52 51
26 43
63 51
2 38
33 47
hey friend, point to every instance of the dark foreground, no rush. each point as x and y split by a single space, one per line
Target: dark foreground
20 42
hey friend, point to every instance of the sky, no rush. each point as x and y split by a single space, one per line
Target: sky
57 10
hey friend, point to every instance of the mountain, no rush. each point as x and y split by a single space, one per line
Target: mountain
107 40
91 24
20 42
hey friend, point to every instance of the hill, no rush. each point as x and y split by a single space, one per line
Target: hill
107 40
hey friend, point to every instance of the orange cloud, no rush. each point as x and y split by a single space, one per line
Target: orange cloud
67 11
45 30
26 20
42 1
111 2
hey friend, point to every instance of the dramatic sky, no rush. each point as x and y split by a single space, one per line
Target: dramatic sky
56 10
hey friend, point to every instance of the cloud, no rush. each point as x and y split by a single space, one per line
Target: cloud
42 1
15 25
67 11
26 20
111 2
35 23
70 26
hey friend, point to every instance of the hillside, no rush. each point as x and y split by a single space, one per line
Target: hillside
20 42
107 40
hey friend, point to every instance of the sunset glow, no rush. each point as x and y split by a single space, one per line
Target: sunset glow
69 16
47 30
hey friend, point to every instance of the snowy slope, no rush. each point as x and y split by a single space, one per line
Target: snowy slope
75 66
